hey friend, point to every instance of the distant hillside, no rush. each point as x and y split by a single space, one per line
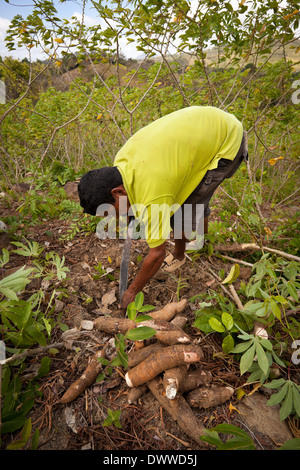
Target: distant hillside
291 52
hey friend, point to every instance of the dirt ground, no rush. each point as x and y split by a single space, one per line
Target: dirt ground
146 425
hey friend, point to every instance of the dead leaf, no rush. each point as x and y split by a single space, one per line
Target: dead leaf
109 298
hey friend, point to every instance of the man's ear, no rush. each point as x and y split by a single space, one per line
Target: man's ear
118 191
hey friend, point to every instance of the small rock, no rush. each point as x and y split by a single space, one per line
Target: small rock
87 325
3 226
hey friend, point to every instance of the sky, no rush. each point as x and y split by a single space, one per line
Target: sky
65 10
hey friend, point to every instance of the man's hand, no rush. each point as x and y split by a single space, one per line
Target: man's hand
127 298
150 266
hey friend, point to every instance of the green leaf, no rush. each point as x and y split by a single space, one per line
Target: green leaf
35 439
292 291
262 358
139 300
212 438
287 405
9 293
228 344
241 347
275 309
237 443
131 311
233 274
16 445
147 308
4 258
276 383
247 359
26 431
279 396
16 281
140 333
227 320
266 344
226 428
296 399
44 368
216 325
141 318
202 322
291 444
13 423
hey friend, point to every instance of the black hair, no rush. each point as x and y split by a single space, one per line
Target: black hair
95 188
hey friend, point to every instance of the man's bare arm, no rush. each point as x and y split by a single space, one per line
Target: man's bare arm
150 266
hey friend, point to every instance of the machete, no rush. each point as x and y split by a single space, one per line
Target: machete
125 260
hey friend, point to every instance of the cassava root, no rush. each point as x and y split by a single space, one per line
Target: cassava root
169 311
165 332
180 412
172 380
135 393
205 397
166 358
88 377
139 355
195 379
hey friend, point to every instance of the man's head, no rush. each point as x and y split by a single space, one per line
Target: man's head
101 186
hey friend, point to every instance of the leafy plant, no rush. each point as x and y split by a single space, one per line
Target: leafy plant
254 348
135 334
32 249
18 399
113 418
103 272
11 285
225 325
240 441
25 437
144 332
4 258
288 396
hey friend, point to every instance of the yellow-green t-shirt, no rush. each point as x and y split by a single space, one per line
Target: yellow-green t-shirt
165 161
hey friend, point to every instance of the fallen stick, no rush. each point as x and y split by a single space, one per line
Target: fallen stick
172 380
166 358
205 397
236 297
254 246
239 261
194 379
88 377
180 412
32 352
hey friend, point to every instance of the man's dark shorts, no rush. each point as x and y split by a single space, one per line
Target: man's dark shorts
203 193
